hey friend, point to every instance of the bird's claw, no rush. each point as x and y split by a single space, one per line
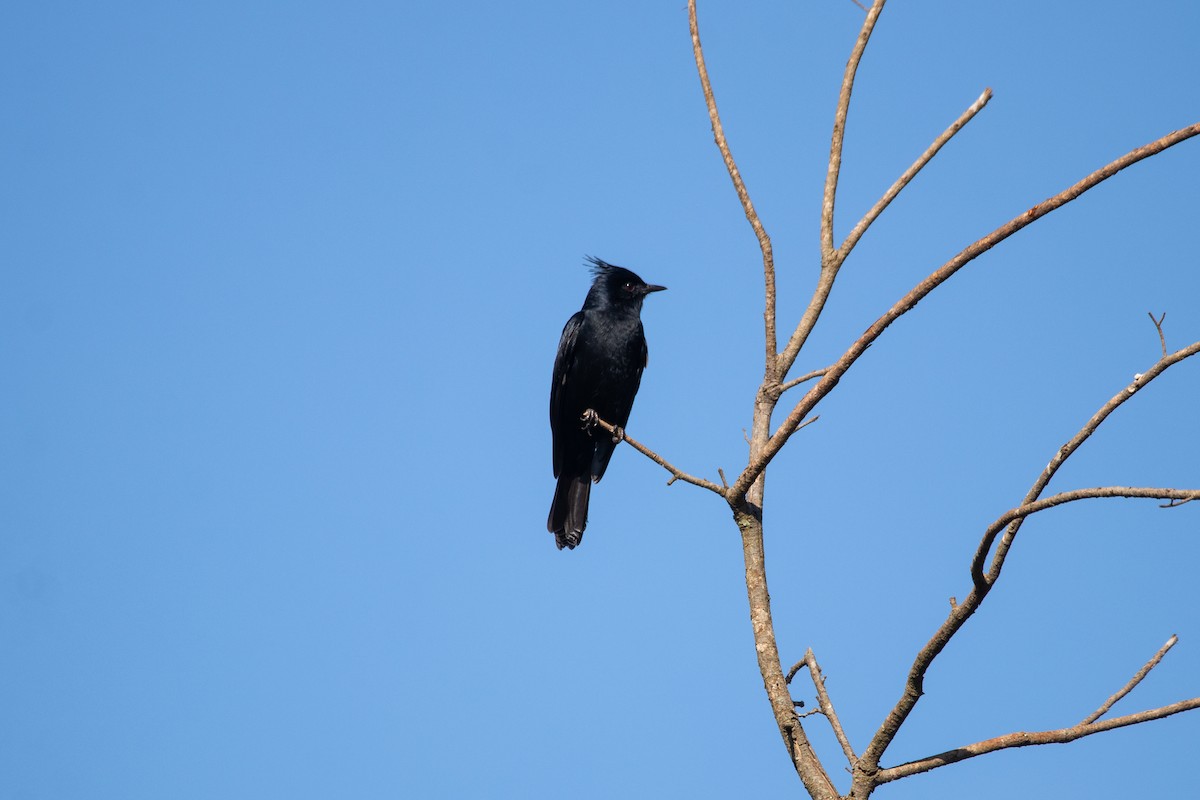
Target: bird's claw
591 420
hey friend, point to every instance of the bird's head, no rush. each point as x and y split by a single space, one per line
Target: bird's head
616 287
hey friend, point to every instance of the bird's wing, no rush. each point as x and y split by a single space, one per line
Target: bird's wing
562 367
620 413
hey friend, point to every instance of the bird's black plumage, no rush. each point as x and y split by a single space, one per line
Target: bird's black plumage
599 366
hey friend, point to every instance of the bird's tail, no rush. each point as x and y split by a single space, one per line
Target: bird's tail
568 512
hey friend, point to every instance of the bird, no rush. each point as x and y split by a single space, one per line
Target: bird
598 368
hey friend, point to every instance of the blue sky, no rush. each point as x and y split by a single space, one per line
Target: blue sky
282 288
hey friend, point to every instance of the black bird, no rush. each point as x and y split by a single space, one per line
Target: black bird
599 366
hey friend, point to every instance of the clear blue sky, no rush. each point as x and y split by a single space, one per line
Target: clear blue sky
282 285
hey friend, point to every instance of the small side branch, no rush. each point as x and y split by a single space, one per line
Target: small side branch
794 382
1158 326
1133 682
676 473
824 704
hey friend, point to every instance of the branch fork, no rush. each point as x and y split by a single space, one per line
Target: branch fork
745 493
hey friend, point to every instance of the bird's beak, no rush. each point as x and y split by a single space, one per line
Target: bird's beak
654 288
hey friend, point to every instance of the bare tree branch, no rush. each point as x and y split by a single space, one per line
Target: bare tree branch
839 129
764 240
808 766
816 373
833 263
831 257
825 704
1133 682
835 371
745 495
867 772
1021 512
676 473
747 505
1022 739
912 171
1158 326
1065 452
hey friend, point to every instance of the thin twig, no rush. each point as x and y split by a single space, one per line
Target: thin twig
835 371
911 172
676 473
816 373
1133 682
839 128
1022 739
808 422
764 240
1158 325
826 706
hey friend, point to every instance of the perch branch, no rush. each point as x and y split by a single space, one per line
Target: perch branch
1133 682
676 473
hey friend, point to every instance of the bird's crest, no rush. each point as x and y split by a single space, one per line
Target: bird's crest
599 266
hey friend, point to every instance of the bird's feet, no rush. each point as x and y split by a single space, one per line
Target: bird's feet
591 420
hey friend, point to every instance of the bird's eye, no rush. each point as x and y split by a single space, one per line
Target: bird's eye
628 287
